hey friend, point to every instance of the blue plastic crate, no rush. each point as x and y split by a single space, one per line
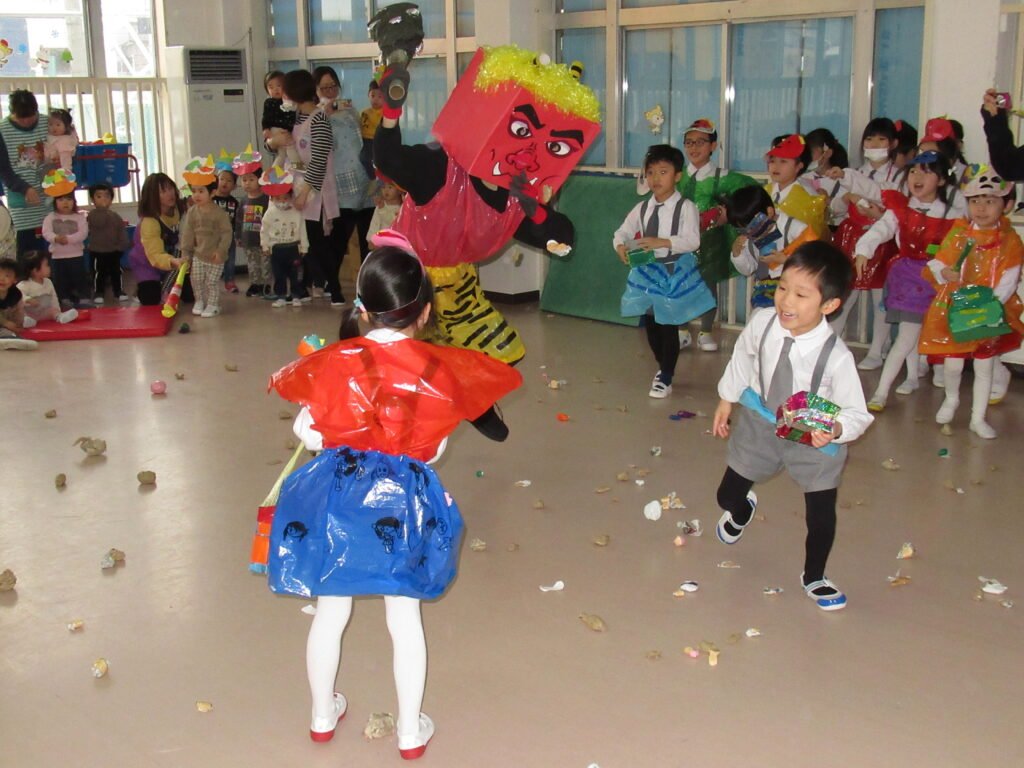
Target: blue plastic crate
102 163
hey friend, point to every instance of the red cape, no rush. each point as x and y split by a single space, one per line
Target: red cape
401 397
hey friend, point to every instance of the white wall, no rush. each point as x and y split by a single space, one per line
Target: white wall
960 41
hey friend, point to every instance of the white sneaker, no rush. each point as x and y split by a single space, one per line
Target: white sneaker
322 729
198 308
659 389
983 429
280 303
296 302
16 344
685 339
908 387
123 297
30 322
98 301
706 342
411 747
211 312
939 376
67 317
947 410
870 363
305 299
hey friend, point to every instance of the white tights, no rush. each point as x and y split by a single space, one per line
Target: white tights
983 369
323 652
880 337
903 352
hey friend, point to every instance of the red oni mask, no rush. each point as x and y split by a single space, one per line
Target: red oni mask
499 133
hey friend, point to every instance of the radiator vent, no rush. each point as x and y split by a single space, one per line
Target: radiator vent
215 66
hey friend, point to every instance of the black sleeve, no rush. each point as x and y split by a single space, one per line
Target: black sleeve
418 169
11 180
555 227
1006 158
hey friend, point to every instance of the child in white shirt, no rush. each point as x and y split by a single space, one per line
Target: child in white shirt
39 295
794 349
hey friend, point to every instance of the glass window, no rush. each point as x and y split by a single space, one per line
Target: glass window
128 38
587 46
653 3
676 70
569 6
284 66
462 62
344 21
788 76
465 18
896 73
428 92
284 23
355 76
337 21
50 41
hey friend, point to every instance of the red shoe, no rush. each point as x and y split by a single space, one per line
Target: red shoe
322 728
412 747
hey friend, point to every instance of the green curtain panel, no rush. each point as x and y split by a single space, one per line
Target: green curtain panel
591 281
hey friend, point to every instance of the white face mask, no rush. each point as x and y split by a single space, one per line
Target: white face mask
283 205
287 105
876 155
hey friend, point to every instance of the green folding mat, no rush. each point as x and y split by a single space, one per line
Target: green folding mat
591 281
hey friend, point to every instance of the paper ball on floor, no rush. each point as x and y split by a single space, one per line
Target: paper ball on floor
158 387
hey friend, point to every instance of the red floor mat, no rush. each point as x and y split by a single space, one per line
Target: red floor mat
107 323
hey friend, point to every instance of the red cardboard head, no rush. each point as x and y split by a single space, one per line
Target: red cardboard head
510 114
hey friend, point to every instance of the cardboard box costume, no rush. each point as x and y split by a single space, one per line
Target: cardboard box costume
508 117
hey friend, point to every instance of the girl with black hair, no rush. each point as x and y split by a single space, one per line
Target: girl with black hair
917 223
61 139
828 157
368 516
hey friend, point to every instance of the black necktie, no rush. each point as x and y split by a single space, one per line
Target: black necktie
778 197
651 227
782 379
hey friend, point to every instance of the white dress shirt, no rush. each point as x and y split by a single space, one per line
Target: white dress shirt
839 383
685 240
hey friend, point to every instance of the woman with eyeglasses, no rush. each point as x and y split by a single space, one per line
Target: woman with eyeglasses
355 203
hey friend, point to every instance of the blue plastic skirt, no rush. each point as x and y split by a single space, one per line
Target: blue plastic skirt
676 297
364 523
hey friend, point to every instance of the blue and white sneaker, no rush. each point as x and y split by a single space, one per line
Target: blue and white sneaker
825 594
724 534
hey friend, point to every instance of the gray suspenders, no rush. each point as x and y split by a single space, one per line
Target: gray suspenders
819 366
676 216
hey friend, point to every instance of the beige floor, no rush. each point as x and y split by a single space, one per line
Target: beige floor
919 675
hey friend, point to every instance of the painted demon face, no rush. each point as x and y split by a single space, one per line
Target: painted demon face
499 133
540 143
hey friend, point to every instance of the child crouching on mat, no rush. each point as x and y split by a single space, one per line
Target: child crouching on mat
778 354
12 309
41 302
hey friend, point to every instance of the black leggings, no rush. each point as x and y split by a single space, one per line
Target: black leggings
821 519
664 341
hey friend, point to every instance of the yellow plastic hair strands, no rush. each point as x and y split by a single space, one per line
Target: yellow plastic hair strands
552 84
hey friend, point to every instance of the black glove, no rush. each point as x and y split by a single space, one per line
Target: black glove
395 85
523 192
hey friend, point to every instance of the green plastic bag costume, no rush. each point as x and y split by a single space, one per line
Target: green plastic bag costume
716 241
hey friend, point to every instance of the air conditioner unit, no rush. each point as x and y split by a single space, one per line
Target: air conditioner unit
210 103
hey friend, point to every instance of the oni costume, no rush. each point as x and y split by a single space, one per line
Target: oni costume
368 516
510 133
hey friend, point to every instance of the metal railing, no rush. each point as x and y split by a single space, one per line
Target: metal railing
129 109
